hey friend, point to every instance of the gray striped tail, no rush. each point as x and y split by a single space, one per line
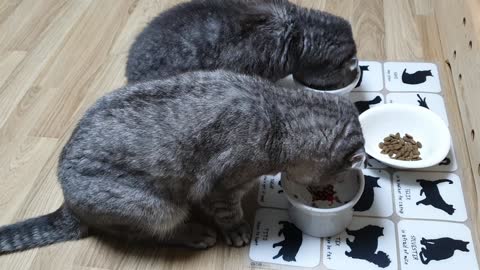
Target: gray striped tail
55 227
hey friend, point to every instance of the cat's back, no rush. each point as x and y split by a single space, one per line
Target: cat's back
197 35
184 38
168 112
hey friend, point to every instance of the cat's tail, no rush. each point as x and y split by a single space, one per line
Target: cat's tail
58 226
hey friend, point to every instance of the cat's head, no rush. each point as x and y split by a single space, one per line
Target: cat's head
429 73
322 171
463 246
375 230
322 137
364 68
326 51
372 181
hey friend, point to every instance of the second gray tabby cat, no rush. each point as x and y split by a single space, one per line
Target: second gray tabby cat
269 38
143 155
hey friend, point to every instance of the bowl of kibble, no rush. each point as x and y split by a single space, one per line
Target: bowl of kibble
324 210
405 136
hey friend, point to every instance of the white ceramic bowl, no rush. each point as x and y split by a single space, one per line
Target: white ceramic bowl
323 222
342 91
290 82
424 125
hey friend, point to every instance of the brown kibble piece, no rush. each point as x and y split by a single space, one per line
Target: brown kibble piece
400 148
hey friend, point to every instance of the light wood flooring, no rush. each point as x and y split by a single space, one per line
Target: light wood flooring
58 56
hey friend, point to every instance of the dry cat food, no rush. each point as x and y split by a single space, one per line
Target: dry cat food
325 193
401 148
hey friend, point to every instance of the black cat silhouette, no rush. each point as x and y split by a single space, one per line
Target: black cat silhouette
366 200
280 184
422 102
367 163
365 245
365 105
445 161
362 69
417 77
432 195
440 249
291 244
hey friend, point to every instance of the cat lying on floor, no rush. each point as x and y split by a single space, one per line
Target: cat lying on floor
269 38
143 155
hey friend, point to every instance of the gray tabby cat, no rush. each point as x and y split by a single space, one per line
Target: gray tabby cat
269 38
145 154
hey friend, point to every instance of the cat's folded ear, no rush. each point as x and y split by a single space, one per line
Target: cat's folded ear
263 13
357 159
253 19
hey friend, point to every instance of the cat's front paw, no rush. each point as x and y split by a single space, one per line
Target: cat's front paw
199 236
238 235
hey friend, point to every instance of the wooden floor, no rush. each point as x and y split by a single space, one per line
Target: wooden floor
58 56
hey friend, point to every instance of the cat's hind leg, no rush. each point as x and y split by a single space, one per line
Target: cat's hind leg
137 212
425 201
279 244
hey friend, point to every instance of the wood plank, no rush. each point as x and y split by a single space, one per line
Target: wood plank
463 62
72 76
58 57
21 30
402 37
12 91
7 7
139 16
21 162
8 62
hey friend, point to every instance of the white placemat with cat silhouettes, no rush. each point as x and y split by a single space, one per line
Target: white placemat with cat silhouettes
404 220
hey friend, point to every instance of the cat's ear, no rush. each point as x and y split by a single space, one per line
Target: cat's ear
253 19
357 159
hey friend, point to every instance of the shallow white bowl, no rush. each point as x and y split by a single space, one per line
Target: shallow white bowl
290 82
424 125
323 222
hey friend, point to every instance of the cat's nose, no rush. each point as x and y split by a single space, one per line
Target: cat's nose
353 63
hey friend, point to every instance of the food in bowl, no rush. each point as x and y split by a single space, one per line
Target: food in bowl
401 148
340 191
425 125
324 194
324 211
